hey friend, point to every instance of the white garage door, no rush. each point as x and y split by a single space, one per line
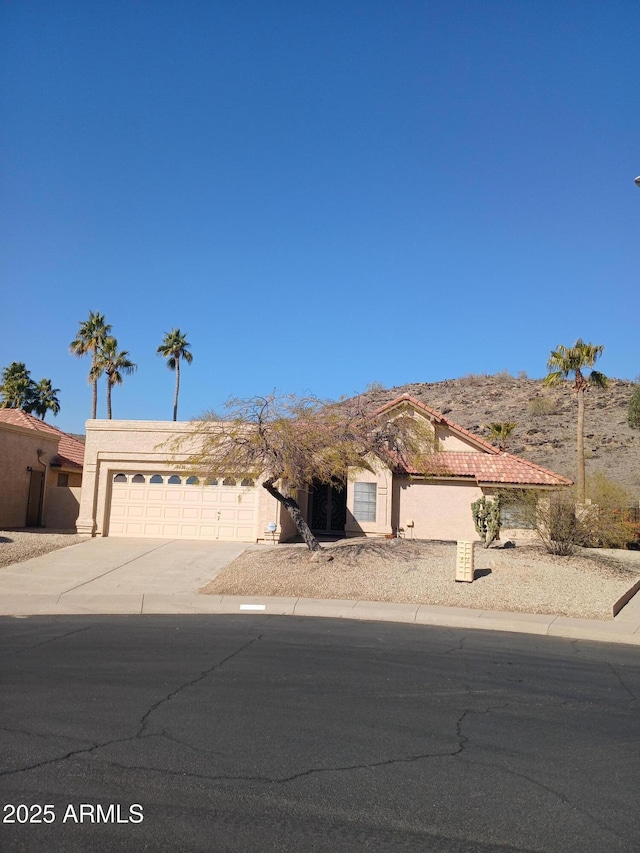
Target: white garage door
169 506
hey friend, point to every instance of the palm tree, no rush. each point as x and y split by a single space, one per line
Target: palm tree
115 364
91 335
44 399
175 346
500 432
564 363
16 386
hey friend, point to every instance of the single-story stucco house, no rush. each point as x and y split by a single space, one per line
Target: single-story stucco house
40 473
133 487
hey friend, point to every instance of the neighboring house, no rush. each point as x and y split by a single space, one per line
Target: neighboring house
40 473
133 487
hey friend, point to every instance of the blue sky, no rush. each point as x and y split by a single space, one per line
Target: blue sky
320 194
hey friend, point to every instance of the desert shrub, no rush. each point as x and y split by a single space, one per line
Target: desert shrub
486 517
539 406
476 378
503 376
634 409
551 514
607 520
557 523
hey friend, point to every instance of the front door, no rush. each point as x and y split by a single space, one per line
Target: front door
328 508
34 502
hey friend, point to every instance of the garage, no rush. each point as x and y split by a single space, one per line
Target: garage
166 505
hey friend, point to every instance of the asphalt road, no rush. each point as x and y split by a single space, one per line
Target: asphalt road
255 733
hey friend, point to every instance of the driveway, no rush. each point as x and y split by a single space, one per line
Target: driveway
113 567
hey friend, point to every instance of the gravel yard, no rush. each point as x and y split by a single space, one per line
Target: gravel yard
522 579
19 545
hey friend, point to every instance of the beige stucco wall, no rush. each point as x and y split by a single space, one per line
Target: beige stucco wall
452 443
113 446
383 478
74 476
18 450
63 507
439 509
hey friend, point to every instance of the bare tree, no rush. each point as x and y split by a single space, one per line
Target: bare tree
289 442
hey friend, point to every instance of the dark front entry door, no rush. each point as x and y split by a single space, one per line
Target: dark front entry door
34 502
328 508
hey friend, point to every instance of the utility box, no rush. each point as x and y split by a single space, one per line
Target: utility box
464 562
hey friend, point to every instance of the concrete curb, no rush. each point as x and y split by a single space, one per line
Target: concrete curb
73 603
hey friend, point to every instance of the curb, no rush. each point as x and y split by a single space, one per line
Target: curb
627 632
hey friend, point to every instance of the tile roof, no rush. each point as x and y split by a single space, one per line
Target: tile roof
70 449
486 465
502 468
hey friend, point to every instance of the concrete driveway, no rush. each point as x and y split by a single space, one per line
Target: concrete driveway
119 569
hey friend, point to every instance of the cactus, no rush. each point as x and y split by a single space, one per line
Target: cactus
486 517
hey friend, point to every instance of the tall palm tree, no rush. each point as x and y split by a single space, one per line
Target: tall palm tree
44 399
91 336
175 346
114 364
569 362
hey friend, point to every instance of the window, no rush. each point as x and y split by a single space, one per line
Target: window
63 479
156 479
119 478
192 481
211 482
364 501
247 482
137 478
228 481
174 480
514 514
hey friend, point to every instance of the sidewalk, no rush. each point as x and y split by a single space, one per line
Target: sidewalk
623 629
109 576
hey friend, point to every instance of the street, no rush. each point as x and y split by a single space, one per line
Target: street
254 733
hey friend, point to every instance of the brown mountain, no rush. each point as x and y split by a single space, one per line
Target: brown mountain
545 417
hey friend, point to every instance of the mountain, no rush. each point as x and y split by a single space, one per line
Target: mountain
545 417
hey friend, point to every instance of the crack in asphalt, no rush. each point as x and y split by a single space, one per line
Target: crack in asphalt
634 698
518 775
43 735
558 794
282 780
140 734
50 640
143 734
459 648
144 720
